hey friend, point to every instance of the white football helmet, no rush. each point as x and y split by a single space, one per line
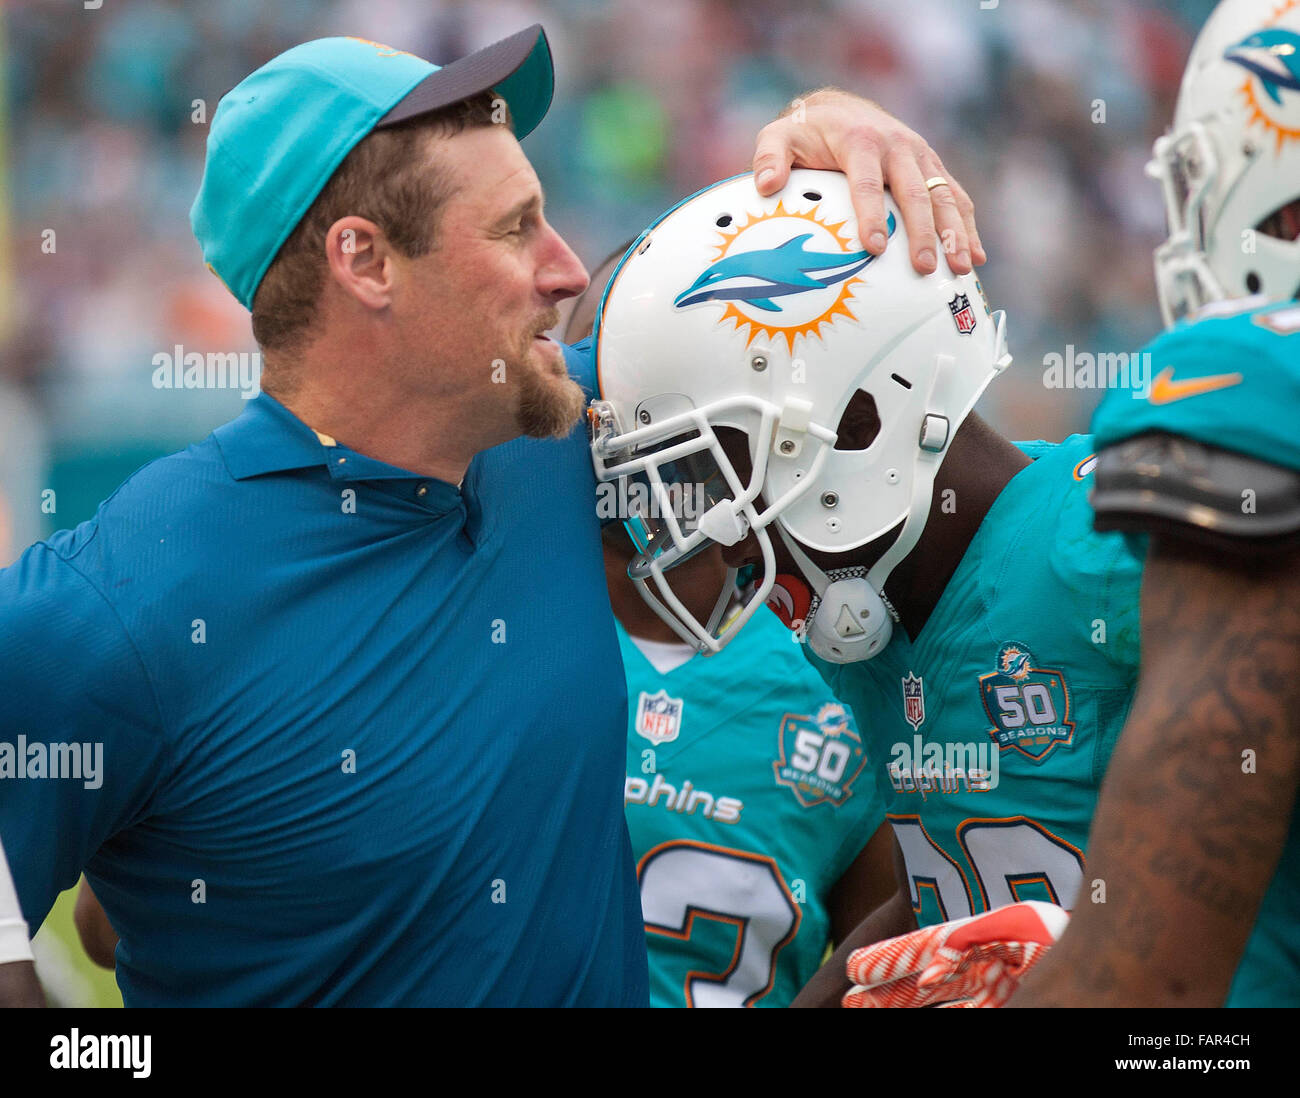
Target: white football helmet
765 315
1232 160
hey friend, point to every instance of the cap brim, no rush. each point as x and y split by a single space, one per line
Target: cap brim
518 67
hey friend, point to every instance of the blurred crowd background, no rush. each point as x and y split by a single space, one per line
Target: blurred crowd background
1045 109
655 98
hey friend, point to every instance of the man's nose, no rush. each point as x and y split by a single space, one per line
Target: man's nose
562 273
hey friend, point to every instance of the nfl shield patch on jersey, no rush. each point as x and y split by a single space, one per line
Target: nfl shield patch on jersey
914 701
658 717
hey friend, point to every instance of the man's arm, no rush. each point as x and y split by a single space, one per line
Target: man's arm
835 130
70 676
892 917
98 938
866 885
18 984
1196 803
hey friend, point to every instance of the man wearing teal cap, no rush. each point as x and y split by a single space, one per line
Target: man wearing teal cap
349 662
277 190
280 135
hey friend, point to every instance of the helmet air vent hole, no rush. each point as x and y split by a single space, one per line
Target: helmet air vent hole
901 381
1252 282
723 221
813 196
860 423
1283 223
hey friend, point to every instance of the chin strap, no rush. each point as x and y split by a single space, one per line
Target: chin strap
849 618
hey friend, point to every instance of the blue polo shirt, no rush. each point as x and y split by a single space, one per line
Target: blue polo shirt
362 731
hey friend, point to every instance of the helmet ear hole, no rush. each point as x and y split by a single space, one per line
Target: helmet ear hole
860 423
1283 223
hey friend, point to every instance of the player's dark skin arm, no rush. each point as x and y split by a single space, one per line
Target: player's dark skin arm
19 986
866 885
1185 840
98 938
895 916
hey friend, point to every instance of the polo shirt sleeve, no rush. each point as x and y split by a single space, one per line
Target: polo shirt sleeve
77 703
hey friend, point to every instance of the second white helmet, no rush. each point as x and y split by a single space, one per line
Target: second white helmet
1231 161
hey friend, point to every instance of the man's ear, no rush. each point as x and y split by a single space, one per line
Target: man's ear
361 261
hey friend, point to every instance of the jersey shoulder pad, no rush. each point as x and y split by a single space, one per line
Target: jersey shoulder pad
1229 381
1181 487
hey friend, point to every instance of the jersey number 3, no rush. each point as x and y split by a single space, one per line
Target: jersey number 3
683 881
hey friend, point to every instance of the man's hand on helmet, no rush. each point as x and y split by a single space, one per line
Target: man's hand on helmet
836 131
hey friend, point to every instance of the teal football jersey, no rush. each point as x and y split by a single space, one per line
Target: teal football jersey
747 799
991 731
1230 379
1233 381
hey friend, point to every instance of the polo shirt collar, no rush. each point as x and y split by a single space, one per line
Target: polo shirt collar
268 438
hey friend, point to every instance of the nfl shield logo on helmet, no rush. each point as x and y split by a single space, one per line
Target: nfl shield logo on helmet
962 314
658 717
913 701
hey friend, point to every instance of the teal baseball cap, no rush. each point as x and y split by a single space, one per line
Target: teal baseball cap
278 136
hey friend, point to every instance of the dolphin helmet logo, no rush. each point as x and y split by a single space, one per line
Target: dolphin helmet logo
760 275
785 273
1272 55
1272 58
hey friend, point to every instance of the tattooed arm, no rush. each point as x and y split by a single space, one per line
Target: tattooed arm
1196 803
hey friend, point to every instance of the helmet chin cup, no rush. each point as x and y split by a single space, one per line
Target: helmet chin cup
851 623
724 523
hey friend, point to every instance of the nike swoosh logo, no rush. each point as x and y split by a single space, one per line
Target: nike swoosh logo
1165 390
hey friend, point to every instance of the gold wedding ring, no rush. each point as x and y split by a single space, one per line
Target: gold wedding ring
935 181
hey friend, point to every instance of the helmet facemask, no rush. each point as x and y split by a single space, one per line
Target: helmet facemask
1187 168
693 497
